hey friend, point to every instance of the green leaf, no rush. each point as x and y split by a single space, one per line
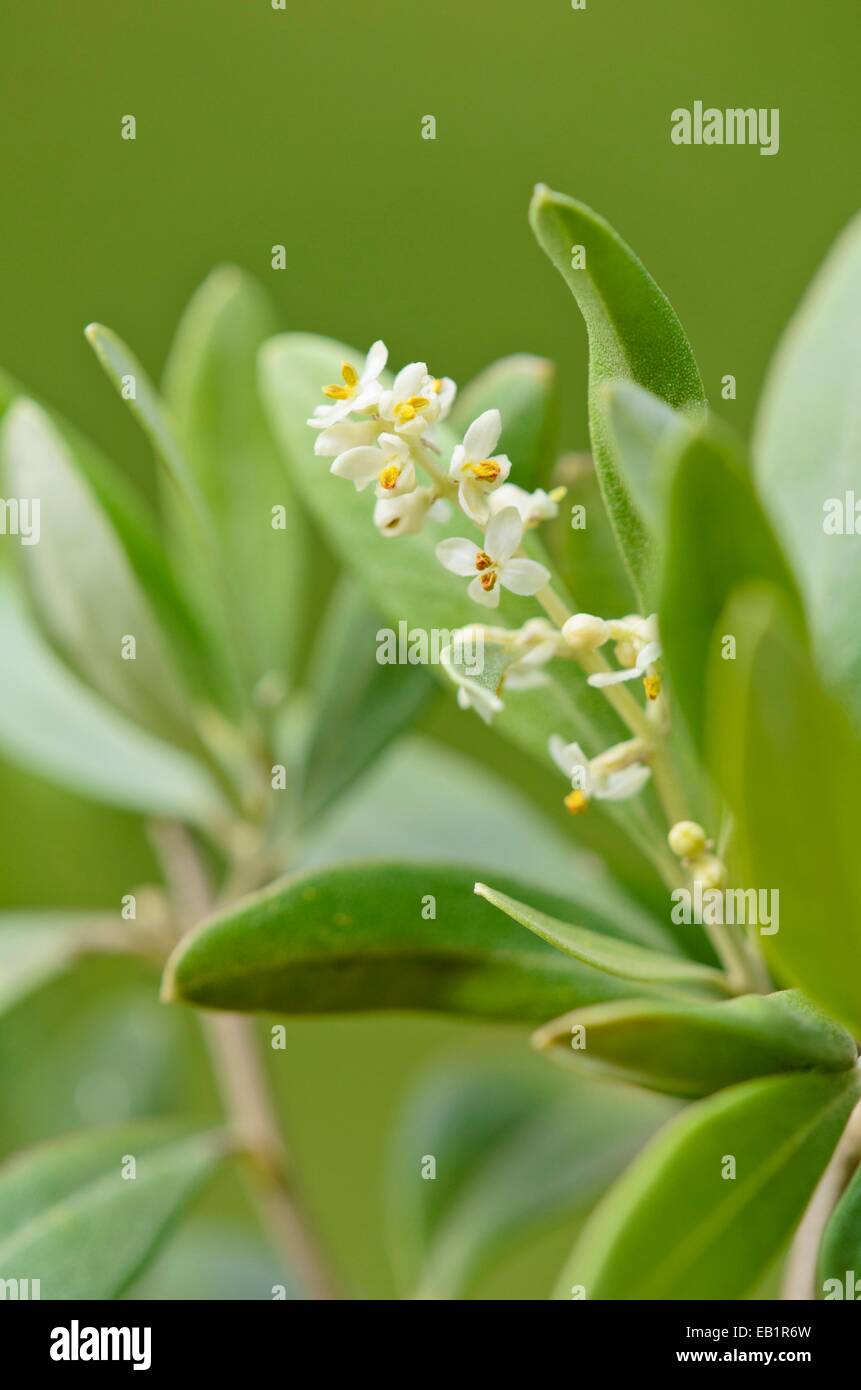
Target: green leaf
210 386
360 937
644 431
35 946
402 575
840 1254
53 725
674 1227
790 766
126 374
69 1218
439 826
82 587
718 538
624 959
515 1153
359 706
587 554
693 1049
634 335
523 389
808 453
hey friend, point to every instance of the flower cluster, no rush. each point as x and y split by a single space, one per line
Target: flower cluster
385 438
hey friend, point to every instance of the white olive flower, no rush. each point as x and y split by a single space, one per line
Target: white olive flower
474 468
359 391
441 390
346 434
411 404
538 640
494 565
534 507
615 775
389 465
637 650
404 514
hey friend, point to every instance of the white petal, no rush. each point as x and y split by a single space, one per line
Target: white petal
566 756
510 495
473 501
349 434
408 380
457 555
602 678
483 434
523 576
620 785
651 652
489 597
378 356
392 445
504 534
458 459
360 465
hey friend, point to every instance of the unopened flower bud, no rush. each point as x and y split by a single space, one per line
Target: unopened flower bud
687 838
708 870
585 633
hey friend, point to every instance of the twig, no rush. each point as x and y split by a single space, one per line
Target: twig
242 1082
800 1277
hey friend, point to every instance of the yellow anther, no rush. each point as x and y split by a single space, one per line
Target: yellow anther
350 375
437 386
487 471
487 580
652 687
336 393
576 802
483 560
405 412
389 476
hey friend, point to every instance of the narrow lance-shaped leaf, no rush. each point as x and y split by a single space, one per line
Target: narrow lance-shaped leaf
790 765
184 498
210 386
514 1152
524 390
361 937
53 725
634 335
713 1199
621 958
438 826
693 1049
718 538
81 584
71 1219
35 946
808 456
643 429
359 704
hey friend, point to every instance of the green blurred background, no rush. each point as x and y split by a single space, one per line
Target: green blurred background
258 126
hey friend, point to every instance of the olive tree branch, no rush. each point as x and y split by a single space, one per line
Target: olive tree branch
241 1078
